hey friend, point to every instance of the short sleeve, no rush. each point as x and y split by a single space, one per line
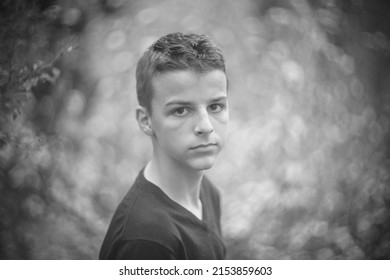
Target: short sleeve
141 250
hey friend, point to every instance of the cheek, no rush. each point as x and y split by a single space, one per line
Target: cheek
166 124
172 132
223 116
176 124
221 122
221 128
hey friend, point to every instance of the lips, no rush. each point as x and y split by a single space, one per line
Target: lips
204 146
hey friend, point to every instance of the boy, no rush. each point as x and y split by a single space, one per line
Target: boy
172 211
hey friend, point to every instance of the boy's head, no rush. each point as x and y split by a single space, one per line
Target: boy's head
175 51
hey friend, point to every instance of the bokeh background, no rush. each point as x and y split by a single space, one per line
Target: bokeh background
305 173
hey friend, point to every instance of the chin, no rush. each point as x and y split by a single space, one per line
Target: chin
202 164
205 167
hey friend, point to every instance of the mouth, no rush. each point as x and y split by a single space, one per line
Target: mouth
203 146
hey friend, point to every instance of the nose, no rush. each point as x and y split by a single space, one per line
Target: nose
203 124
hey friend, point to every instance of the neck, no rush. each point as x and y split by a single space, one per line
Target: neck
181 184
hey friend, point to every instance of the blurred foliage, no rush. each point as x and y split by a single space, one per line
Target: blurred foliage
305 174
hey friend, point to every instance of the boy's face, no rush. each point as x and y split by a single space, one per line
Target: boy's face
189 117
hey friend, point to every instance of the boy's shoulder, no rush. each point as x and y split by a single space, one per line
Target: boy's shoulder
138 218
143 214
146 212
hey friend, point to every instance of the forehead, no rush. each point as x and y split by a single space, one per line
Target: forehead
189 85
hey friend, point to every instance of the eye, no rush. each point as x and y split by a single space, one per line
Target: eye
180 112
216 108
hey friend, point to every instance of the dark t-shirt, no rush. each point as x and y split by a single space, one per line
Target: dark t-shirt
149 225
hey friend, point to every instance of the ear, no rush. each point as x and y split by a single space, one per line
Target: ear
143 119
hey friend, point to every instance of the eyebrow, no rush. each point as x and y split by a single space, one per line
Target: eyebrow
186 103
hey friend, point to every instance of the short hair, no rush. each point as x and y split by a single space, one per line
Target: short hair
175 51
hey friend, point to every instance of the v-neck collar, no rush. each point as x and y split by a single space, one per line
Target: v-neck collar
157 190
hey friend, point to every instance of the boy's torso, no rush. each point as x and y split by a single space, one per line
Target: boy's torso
146 214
